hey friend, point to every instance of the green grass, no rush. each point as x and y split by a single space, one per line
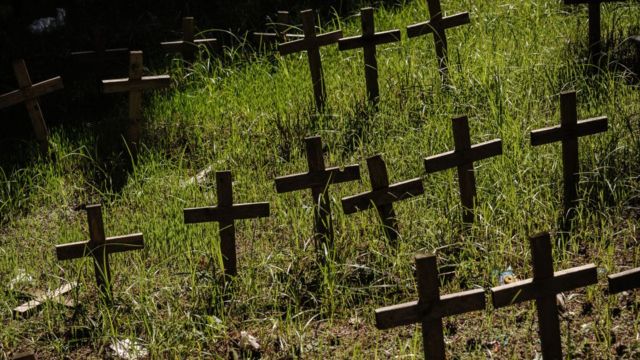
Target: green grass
250 114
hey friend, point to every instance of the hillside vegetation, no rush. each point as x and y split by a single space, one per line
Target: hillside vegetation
249 112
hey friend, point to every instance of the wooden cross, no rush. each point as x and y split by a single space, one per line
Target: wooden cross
28 93
626 280
99 247
100 55
383 196
544 288
188 45
225 214
437 25
40 299
134 85
568 132
430 308
595 44
311 43
463 158
318 179
281 33
368 41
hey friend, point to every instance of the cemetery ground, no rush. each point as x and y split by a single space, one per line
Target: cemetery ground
249 113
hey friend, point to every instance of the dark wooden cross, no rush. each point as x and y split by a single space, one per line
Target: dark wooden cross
368 42
626 280
28 93
595 44
383 196
189 44
39 300
99 247
311 43
544 288
437 25
100 55
463 158
225 214
134 85
569 130
281 33
318 179
430 308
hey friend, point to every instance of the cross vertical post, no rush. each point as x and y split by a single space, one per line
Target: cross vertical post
318 179
311 43
383 196
188 46
368 41
430 308
225 213
543 288
463 158
595 37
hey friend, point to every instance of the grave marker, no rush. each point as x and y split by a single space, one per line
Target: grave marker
544 288
318 179
383 196
40 299
281 33
569 130
225 214
430 308
626 280
100 55
134 85
311 43
29 93
99 247
189 44
463 158
437 25
595 43
368 42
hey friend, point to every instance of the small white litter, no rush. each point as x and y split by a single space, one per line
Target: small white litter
128 350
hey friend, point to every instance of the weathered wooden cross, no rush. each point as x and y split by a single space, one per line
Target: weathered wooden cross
437 25
568 132
544 288
383 196
225 214
430 308
134 85
463 158
99 247
40 299
595 44
281 33
318 179
100 55
28 93
189 44
311 43
626 280
368 42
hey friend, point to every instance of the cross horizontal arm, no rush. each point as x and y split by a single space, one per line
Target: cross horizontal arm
81 55
305 43
307 180
215 213
411 312
113 245
452 158
623 281
529 289
125 84
448 22
355 42
398 192
557 133
39 89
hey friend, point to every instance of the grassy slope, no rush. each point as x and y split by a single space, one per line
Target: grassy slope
509 66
